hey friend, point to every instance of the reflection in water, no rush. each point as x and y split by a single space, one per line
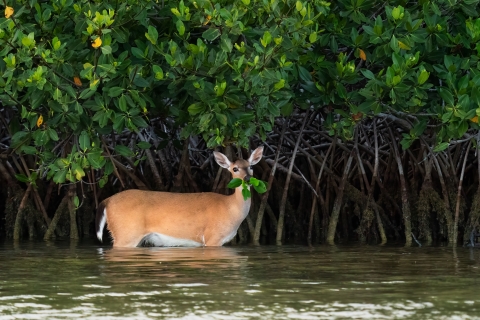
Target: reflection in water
63 280
168 262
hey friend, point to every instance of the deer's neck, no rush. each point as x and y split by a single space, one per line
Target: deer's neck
243 205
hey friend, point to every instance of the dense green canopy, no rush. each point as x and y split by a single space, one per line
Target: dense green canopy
72 71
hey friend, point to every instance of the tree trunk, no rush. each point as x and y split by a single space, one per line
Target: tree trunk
58 213
263 204
73 212
332 226
459 193
19 218
405 203
317 190
281 216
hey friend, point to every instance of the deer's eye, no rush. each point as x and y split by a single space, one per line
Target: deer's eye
251 167
235 169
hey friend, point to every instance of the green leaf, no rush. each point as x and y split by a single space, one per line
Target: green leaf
122 103
21 137
180 27
195 108
96 160
52 134
56 43
423 77
22 178
226 43
76 201
261 187
441 146
254 181
106 49
394 44
60 176
141 82
115 91
246 194
137 53
299 5
152 35
124 151
139 122
234 183
28 150
447 96
279 85
368 74
287 109
462 128
84 141
144 145
158 72
87 93
211 34
221 118
266 39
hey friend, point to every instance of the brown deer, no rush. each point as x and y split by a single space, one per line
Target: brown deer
167 219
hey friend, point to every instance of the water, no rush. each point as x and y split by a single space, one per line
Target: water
62 280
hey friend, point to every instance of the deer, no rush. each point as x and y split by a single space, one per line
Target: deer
137 218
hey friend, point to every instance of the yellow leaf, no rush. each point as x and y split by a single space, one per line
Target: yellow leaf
97 43
362 55
77 81
39 121
9 12
207 20
474 119
357 116
403 45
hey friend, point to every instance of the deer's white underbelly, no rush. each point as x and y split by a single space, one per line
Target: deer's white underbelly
160 240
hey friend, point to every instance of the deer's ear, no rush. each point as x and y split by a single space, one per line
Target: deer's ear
221 159
256 156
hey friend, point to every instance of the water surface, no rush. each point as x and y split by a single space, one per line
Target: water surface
62 280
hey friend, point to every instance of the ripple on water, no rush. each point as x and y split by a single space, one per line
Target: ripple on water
238 283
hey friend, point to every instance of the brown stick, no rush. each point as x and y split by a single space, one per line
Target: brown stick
405 203
151 161
41 206
381 229
457 208
73 212
166 166
48 195
94 187
19 217
132 176
113 162
332 226
271 215
6 175
317 189
281 216
448 213
56 217
263 204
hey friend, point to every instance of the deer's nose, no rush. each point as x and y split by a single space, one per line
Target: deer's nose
247 178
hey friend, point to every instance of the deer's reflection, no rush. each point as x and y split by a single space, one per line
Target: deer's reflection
143 264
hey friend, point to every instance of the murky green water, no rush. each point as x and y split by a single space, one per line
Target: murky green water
59 280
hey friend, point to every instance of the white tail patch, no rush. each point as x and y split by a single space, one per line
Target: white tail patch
101 225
